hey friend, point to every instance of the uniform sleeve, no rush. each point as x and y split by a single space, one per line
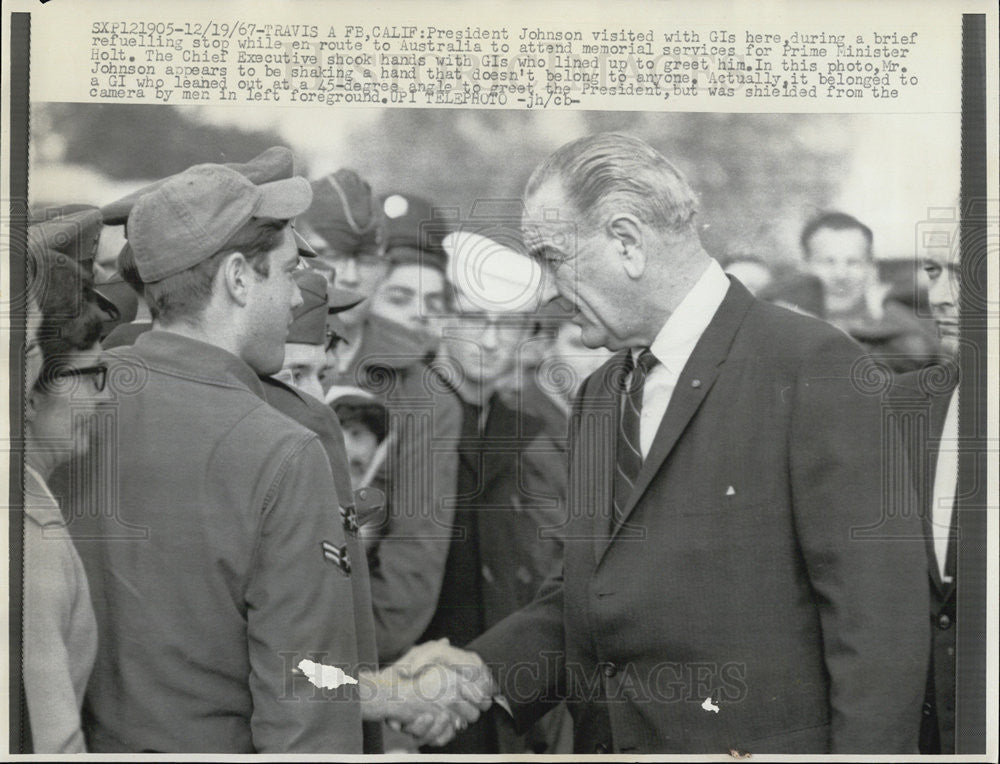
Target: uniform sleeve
526 654
526 651
300 606
413 549
862 544
52 703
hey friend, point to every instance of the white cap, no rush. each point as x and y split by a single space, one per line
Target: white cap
336 392
495 276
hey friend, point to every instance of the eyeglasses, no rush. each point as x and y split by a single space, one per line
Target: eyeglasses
98 375
478 323
332 339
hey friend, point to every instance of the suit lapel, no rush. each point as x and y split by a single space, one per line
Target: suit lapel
694 383
600 411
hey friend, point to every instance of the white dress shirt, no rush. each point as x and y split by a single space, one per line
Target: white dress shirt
945 482
673 347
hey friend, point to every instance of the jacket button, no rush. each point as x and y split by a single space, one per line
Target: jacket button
601 748
610 669
944 622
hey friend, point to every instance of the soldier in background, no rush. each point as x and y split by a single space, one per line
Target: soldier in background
342 224
389 356
511 486
293 391
364 422
932 395
838 249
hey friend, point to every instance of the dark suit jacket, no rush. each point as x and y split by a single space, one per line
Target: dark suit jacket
920 400
759 570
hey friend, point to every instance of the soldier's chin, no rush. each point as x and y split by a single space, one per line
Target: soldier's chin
267 364
592 337
949 344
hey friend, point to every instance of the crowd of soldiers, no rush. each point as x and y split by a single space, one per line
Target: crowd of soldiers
243 526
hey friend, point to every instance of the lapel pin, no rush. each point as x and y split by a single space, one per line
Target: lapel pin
730 491
695 383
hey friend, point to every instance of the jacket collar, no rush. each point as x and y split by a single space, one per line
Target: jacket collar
188 358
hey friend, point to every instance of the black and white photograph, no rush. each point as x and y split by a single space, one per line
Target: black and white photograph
458 414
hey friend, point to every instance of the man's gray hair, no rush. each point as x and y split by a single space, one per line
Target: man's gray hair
605 168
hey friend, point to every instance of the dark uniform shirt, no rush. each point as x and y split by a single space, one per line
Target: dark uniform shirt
208 576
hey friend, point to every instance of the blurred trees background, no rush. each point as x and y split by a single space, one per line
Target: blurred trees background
126 142
759 176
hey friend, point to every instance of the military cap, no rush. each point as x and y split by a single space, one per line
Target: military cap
359 402
276 163
192 215
406 255
309 319
338 299
344 213
73 232
408 221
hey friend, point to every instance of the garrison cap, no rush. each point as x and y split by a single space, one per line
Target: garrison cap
408 221
191 216
344 213
72 232
276 163
309 319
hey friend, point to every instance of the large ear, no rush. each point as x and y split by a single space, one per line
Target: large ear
628 232
236 276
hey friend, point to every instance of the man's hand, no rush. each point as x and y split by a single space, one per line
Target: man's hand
431 704
441 653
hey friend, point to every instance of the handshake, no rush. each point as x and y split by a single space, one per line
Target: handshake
431 693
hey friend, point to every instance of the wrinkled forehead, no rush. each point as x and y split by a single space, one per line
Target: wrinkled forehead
550 220
553 236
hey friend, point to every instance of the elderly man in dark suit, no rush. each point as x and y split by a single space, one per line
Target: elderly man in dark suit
925 404
734 577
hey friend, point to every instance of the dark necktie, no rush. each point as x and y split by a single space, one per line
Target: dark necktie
628 456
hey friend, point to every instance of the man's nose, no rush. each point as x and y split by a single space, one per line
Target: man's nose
490 338
565 303
941 293
348 275
312 386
